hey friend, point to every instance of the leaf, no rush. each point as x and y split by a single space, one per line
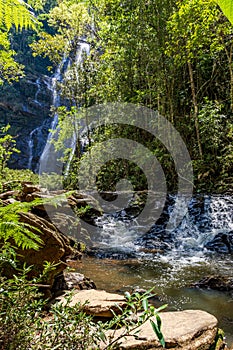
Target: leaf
158 332
227 8
162 307
145 304
127 295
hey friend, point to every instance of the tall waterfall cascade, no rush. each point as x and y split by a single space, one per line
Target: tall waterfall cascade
37 136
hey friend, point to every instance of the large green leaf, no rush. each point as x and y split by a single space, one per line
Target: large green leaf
227 8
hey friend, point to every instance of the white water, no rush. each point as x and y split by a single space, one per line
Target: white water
46 162
172 272
38 84
200 225
45 157
35 133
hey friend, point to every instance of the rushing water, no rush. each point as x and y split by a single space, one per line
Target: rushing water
46 163
39 141
120 262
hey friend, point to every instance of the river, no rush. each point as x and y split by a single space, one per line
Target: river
119 263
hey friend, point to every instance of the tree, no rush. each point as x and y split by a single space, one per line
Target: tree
167 55
195 37
15 13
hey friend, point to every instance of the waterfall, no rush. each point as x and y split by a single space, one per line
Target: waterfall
207 217
46 163
36 137
38 84
35 133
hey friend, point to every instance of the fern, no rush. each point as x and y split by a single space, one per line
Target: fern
12 229
16 13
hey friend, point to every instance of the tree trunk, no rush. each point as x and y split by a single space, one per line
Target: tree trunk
195 106
229 58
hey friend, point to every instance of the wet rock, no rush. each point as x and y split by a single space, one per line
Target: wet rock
184 330
109 253
155 245
222 243
155 241
19 108
220 283
71 280
100 303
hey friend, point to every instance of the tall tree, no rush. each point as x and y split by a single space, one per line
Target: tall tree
194 37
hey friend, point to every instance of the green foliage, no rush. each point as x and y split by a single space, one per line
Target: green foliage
218 341
137 312
16 13
11 228
25 325
192 31
19 307
12 179
7 148
213 126
10 70
69 20
156 53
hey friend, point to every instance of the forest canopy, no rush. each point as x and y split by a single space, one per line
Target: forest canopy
174 57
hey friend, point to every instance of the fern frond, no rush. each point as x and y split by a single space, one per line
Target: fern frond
23 234
16 13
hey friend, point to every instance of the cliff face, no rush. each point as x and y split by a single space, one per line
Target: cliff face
26 107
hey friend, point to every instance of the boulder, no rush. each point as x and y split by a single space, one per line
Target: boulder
71 280
222 243
184 330
100 303
56 248
220 283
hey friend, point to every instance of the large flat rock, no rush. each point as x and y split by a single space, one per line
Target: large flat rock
100 303
183 330
186 330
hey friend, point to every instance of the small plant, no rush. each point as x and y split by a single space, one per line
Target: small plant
135 314
20 305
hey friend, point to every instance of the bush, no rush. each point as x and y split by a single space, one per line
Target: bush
12 179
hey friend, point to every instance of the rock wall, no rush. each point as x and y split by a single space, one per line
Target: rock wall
26 107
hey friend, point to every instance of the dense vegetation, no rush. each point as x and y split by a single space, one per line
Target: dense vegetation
172 56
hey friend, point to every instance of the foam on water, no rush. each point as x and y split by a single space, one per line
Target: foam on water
207 216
